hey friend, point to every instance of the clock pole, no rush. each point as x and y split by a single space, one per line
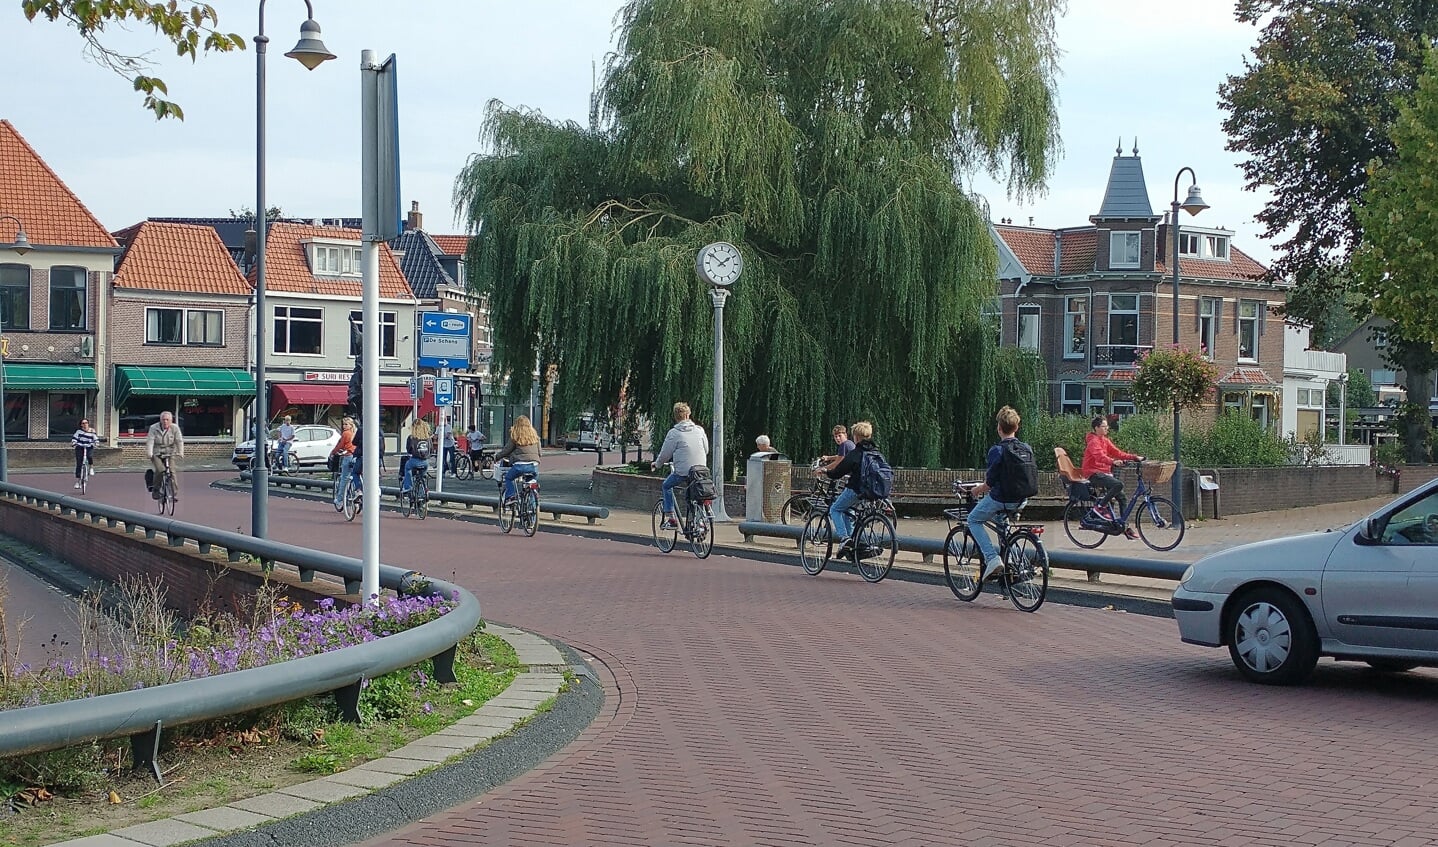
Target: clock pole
718 296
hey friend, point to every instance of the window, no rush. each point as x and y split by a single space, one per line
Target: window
1187 244
1310 398
17 415
205 326
334 260
1208 311
1029 327
1123 249
1075 327
1123 328
1248 329
299 330
1122 404
1072 403
67 298
14 296
66 412
164 326
388 323
1215 247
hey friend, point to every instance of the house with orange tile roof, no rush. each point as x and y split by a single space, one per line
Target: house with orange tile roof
313 294
1090 300
179 337
52 312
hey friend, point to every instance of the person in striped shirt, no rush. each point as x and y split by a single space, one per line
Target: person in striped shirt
84 441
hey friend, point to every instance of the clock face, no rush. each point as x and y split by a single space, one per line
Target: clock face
720 264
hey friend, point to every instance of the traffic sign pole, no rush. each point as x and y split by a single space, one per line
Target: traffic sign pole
443 419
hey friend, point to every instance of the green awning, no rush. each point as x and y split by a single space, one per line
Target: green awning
183 382
33 377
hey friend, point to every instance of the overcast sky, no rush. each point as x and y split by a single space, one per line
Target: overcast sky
1145 70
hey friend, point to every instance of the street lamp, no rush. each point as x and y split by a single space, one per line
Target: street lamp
310 52
1193 205
21 246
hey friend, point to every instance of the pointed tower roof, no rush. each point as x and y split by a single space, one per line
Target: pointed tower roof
29 190
1127 194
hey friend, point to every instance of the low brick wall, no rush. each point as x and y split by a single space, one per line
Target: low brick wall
641 491
129 453
193 581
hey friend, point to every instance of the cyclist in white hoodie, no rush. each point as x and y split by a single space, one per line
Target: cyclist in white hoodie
685 445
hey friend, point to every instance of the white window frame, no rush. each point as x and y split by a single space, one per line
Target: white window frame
335 258
1114 311
1209 311
190 335
1097 400
1215 247
1076 327
286 315
388 333
1188 243
1122 244
186 338
1029 327
1251 324
1074 405
152 321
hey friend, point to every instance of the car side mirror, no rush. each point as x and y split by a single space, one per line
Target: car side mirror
1372 530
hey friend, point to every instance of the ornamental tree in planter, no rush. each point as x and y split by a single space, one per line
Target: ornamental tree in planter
1173 376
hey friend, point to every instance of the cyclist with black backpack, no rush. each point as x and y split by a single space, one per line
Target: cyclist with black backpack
1011 479
870 478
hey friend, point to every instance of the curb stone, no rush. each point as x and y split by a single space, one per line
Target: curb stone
399 787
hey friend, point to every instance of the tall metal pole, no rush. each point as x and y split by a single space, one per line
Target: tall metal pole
371 337
1176 489
260 479
4 410
719 295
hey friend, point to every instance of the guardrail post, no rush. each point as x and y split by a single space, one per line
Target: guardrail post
145 751
175 540
353 586
307 574
347 699
444 665
235 556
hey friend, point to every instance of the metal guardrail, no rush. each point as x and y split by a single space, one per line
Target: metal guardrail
141 714
1067 559
468 501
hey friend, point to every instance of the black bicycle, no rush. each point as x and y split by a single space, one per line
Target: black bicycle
164 490
415 499
695 520
1157 519
523 508
1025 575
820 496
874 543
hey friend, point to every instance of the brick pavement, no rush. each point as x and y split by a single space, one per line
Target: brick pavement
751 704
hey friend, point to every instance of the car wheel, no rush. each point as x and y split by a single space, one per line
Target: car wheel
1271 637
1391 665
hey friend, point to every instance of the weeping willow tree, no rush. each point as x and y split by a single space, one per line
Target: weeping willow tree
829 142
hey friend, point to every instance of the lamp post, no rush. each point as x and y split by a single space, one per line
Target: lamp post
1342 406
310 52
1193 205
21 246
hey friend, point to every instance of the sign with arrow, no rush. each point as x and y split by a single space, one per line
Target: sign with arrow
444 340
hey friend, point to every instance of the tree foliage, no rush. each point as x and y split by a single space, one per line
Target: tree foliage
1173 376
191 29
828 142
1312 108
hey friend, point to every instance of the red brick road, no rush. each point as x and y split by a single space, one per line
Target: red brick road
750 704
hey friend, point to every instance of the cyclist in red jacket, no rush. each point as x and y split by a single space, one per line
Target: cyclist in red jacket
1099 455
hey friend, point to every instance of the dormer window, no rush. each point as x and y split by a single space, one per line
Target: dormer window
1123 249
334 259
1215 247
1188 243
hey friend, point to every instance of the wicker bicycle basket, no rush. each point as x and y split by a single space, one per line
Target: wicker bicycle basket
1156 472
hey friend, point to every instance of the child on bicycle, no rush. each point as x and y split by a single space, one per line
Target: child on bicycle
1010 480
83 441
1099 456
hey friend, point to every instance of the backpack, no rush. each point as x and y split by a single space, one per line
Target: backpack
876 478
701 484
1018 474
421 448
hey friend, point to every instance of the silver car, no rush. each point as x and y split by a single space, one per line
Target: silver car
1367 592
313 445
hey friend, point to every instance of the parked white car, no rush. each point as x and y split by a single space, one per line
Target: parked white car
313 445
1367 592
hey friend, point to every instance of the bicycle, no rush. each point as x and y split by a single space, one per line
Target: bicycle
352 501
819 498
164 490
695 520
523 508
415 500
875 540
1024 578
1156 518
485 462
463 466
286 465
87 470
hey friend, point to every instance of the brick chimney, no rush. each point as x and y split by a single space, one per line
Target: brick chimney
415 221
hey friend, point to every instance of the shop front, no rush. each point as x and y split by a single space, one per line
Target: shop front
45 402
207 402
324 403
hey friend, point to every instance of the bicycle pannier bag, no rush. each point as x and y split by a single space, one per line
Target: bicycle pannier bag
701 484
1018 474
150 479
334 463
876 478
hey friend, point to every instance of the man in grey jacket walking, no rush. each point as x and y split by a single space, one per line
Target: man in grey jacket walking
685 445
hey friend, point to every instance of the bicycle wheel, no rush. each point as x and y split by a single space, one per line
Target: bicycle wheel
664 539
1073 526
962 564
463 467
701 531
1026 571
170 493
875 545
421 498
164 498
508 513
407 500
816 545
795 510
1159 523
352 501
84 480
529 511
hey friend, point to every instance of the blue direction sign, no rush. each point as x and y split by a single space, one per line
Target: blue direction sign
444 340
444 391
